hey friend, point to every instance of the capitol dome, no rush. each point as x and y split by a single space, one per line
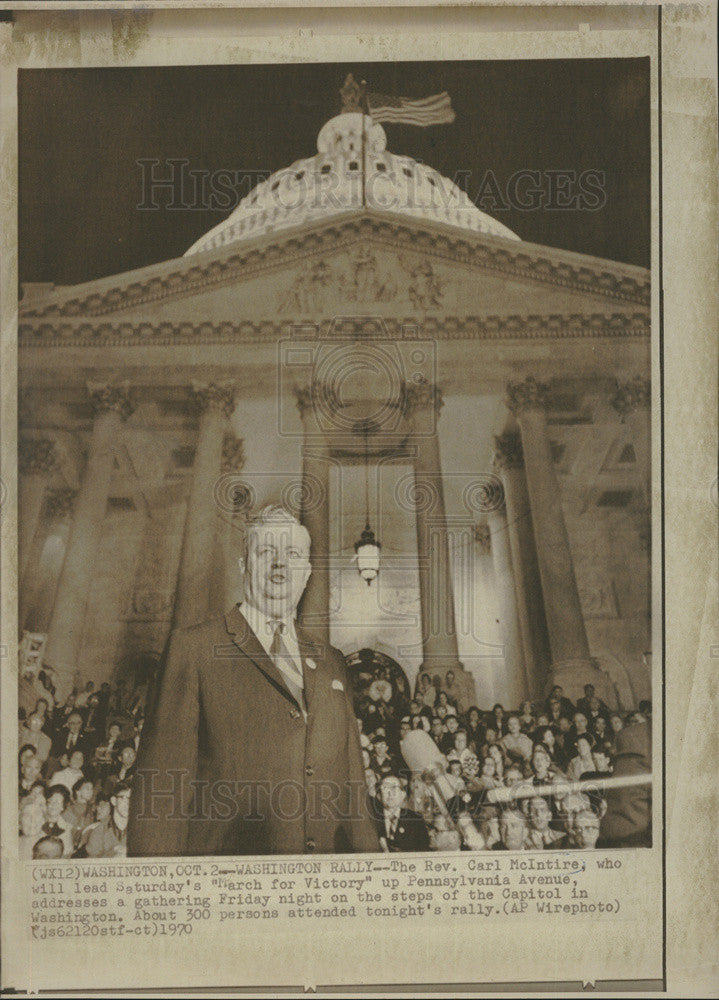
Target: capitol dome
330 183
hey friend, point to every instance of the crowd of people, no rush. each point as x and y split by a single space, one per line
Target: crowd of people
76 768
492 761
77 763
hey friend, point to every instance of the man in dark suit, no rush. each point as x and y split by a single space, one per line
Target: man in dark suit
251 745
399 828
70 738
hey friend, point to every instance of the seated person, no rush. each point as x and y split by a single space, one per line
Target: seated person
591 705
105 753
32 817
57 798
124 772
585 830
517 745
399 828
30 769
80 813
540 835
443 836
583 763
70 775
486 820
512 831
69 738
31 733
108 839
451 725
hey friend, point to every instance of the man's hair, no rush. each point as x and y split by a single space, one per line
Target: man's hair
120 787
47 842
78 785
271 513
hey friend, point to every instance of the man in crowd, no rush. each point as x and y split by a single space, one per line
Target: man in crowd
69 739
399 828
252 703
512 831
109 838
31 733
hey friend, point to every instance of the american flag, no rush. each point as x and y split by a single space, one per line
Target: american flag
435 110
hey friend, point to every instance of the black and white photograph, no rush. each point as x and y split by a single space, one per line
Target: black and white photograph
334 452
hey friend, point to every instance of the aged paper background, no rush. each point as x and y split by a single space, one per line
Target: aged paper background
454 952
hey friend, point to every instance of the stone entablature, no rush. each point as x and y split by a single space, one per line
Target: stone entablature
553 269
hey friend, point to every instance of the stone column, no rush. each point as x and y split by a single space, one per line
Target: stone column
509 462
195 575
632 401
515 678
38 587
440 650
565 622
314 609
36 461
112 405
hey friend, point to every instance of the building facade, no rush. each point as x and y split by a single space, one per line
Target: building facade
358 341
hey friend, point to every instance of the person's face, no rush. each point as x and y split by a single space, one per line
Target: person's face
540 763
580 723
437 727
413 708
617 724
450 678
102 811
443 698
491 736
474 717
380 748
34 723
583 748
600 725
588 690
121 804
511 830
74 724
489 767
601 760
513 776
84 793
452 723
548 737
391 793
542 720
277 566
37 795
55 806
404 729
539 814
31 820
557 692
441 711
513 726
26 755
50 850
41 707
31 768
586 830
490 829
114 732
77 760
564 724
460 742
127 756
455 768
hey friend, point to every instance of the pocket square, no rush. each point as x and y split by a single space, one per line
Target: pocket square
338 686
311 663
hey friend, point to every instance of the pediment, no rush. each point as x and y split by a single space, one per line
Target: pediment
361 267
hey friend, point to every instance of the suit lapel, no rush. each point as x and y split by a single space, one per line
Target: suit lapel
251 647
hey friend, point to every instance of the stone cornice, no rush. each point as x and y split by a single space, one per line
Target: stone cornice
68 333
188 276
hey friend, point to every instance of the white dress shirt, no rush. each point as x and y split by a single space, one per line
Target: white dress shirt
264 628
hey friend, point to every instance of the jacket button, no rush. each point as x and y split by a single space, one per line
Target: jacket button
309 771
310 844
295 713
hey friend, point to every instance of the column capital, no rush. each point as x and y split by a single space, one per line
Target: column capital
233 453
421 395
631 395
508 452
106 397
36 456
217 396
529 394
60 503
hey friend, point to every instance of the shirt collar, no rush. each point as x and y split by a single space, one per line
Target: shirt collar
258 622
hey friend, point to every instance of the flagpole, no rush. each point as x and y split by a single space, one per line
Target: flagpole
364 103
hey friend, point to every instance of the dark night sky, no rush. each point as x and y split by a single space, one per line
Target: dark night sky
83 131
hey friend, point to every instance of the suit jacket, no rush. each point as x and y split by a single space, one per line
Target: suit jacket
248 774
411 833
628 819
59 745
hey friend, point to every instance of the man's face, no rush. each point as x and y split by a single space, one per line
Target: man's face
121 804
460 742
490 736
380 748
580 722
540 762
511 830
586 829
114 732
601 760
77 760
437 728
127 756
392 793
539 814
277 566
617 724
452 723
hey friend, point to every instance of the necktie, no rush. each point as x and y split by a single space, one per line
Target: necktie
286 665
